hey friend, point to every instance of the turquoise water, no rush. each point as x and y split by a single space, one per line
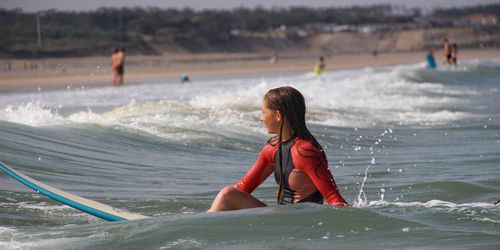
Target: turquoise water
416 152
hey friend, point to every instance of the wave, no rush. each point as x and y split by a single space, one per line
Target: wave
303 226
218 110
470 73
208 230
433 204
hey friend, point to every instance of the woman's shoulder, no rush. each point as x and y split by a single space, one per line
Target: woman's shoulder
305 144
306 148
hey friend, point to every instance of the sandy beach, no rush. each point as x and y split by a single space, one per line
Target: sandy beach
42 74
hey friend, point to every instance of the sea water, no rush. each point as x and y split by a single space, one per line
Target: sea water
416 152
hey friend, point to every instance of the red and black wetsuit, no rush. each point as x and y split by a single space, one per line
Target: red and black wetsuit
306 174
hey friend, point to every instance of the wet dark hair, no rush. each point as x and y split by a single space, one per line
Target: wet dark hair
292 106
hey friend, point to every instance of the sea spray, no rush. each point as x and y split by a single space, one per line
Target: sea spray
362 199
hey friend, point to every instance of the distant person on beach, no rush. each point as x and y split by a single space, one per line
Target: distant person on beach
431 62
294 156
274 59
447 51
319 67
121 65
454 53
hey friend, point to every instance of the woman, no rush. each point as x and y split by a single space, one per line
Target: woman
294 155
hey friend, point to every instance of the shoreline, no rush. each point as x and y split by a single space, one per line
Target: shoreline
61 73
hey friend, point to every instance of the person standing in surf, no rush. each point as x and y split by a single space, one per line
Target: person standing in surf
447 51
431 62
319 67
294 156
118 66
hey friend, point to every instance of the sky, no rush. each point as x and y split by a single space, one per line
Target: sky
86 5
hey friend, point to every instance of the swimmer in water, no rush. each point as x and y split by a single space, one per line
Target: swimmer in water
294 156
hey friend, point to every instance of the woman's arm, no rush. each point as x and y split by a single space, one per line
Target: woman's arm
259 172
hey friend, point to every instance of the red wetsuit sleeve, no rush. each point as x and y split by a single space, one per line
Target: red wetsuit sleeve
311 161
259 172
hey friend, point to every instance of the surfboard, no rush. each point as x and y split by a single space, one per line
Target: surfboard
85 205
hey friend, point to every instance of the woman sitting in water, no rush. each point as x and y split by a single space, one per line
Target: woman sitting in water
294 155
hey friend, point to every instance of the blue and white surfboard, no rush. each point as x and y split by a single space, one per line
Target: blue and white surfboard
91 207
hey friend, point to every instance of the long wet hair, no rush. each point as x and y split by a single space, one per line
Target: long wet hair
292 106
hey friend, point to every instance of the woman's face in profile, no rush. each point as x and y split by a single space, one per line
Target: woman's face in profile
271 119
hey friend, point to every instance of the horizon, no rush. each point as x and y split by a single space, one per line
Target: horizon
31 6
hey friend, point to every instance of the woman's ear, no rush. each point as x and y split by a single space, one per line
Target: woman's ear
278 116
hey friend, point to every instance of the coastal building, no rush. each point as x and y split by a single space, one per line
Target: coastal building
481 20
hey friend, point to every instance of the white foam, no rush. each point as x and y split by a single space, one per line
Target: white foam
40 244
359 98
33 114
86 117
42 206
485 219
6 230
432 204
182 243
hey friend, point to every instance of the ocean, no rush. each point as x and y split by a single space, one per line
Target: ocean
416 152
